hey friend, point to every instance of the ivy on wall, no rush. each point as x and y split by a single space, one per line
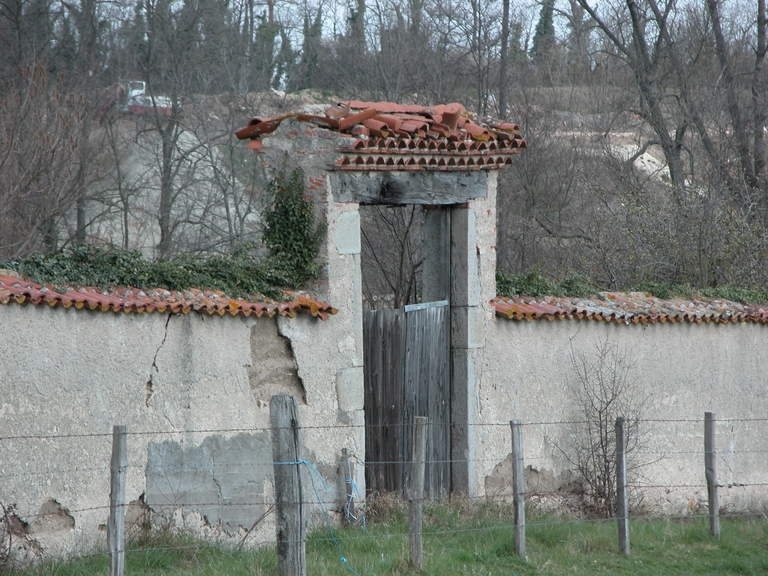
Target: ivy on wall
290 234
533 283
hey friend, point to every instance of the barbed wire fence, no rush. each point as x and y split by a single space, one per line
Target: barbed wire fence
709 458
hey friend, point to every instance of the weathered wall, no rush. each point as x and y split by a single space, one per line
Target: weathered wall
336 376
197 390
682 369
80 372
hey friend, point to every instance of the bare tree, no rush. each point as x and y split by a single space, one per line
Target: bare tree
116 213
40 164
671 51
391 255
639 35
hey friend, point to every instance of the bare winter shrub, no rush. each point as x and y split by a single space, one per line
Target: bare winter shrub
17 547
602 387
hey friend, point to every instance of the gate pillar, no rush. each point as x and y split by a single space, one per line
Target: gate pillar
337 351
473 286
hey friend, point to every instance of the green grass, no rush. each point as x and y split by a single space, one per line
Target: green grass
478 542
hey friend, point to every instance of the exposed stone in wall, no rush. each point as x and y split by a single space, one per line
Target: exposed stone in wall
538 483
17 545
203 371
273 368
52 517
137 518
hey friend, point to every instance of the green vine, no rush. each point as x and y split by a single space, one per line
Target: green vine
236 274
290 234
533 283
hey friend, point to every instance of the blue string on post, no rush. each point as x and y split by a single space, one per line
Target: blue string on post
312 469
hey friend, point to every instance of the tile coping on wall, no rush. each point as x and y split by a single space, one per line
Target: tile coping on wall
629 308
14 289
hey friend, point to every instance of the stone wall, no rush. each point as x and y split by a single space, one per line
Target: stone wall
77 373
680 370
193 391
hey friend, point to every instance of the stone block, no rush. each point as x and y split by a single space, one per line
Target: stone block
350 389
436 250
463 414
410 187
465 277
348 232
467 327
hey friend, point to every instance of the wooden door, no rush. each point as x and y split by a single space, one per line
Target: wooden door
407 374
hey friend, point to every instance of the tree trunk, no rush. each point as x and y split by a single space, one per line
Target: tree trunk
504 60
168 136
737 124
759 88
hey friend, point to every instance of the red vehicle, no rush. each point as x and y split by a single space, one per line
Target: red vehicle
131 97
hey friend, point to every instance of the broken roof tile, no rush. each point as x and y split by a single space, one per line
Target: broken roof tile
14 289
390 128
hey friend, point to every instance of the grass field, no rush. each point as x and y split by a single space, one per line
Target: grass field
468 543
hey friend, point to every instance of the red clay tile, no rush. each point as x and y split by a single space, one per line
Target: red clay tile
630 308
257 129
322 121
376 127
348 122
159 300
390 128
393 122
337 112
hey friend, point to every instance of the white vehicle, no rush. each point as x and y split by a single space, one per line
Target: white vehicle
131 97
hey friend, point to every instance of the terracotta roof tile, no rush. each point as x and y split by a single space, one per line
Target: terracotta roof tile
133 300
379 129
630 308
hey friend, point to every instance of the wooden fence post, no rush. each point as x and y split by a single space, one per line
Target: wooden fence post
622 505
416 490
710 471
116 522
518 485
289 496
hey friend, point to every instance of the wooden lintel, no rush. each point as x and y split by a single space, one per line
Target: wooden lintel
412 187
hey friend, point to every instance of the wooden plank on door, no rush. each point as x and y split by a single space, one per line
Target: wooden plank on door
427 387
384 341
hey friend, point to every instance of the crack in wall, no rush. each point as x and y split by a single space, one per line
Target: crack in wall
301 389
273 368
150 383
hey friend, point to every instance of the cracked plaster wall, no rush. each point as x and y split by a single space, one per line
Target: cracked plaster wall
74 374
330 359
685 370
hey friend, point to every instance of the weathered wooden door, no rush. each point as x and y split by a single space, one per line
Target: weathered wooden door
407 374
